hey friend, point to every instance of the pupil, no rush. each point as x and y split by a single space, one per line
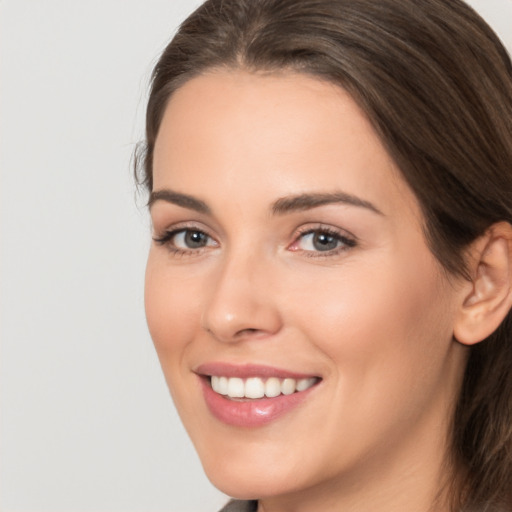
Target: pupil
195 239
324 242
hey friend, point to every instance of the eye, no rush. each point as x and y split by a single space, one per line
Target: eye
189 239
322 240
318 241
186 240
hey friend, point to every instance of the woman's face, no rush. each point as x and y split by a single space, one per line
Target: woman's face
289 261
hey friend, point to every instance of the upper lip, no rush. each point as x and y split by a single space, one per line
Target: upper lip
245 371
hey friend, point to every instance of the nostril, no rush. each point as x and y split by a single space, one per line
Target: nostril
247 332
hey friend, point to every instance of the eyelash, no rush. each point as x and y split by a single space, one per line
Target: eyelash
347 242
166 239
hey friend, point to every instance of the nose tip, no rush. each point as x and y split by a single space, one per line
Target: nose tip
240 307
242 323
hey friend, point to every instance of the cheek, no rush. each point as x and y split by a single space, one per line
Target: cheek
380 323
173 318
172 308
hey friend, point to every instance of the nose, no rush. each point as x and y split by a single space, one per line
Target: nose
240 302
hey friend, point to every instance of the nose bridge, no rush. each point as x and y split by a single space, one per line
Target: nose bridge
239 301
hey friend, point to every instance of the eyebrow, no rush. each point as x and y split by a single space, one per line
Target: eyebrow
307 201
179 199
281 206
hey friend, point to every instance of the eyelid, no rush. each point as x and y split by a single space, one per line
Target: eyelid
182 225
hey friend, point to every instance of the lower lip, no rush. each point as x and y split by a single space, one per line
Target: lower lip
250 412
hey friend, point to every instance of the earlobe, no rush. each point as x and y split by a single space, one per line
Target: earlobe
490 296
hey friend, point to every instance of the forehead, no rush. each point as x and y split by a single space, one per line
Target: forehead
284 131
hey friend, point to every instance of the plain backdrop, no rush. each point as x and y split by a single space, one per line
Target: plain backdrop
87 424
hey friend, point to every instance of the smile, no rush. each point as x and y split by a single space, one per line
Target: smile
256 387
253 396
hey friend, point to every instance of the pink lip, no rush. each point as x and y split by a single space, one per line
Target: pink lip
248 370
249 412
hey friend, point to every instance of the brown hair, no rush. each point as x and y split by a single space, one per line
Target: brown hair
436 83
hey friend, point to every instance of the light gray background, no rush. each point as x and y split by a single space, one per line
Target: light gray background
86 421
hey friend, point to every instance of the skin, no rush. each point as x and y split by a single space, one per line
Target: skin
374 319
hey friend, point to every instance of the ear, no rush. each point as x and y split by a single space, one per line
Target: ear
488 296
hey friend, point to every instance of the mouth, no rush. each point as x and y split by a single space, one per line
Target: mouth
253 395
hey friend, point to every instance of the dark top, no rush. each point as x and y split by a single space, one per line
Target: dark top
240 506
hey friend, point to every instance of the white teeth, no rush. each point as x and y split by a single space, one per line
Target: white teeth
304 384
220 384
288 386
223 385
272 387
255 387
236 388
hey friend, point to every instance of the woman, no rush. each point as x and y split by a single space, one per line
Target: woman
329 286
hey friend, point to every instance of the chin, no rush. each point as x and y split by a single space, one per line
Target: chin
247 470
256 470
250 484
